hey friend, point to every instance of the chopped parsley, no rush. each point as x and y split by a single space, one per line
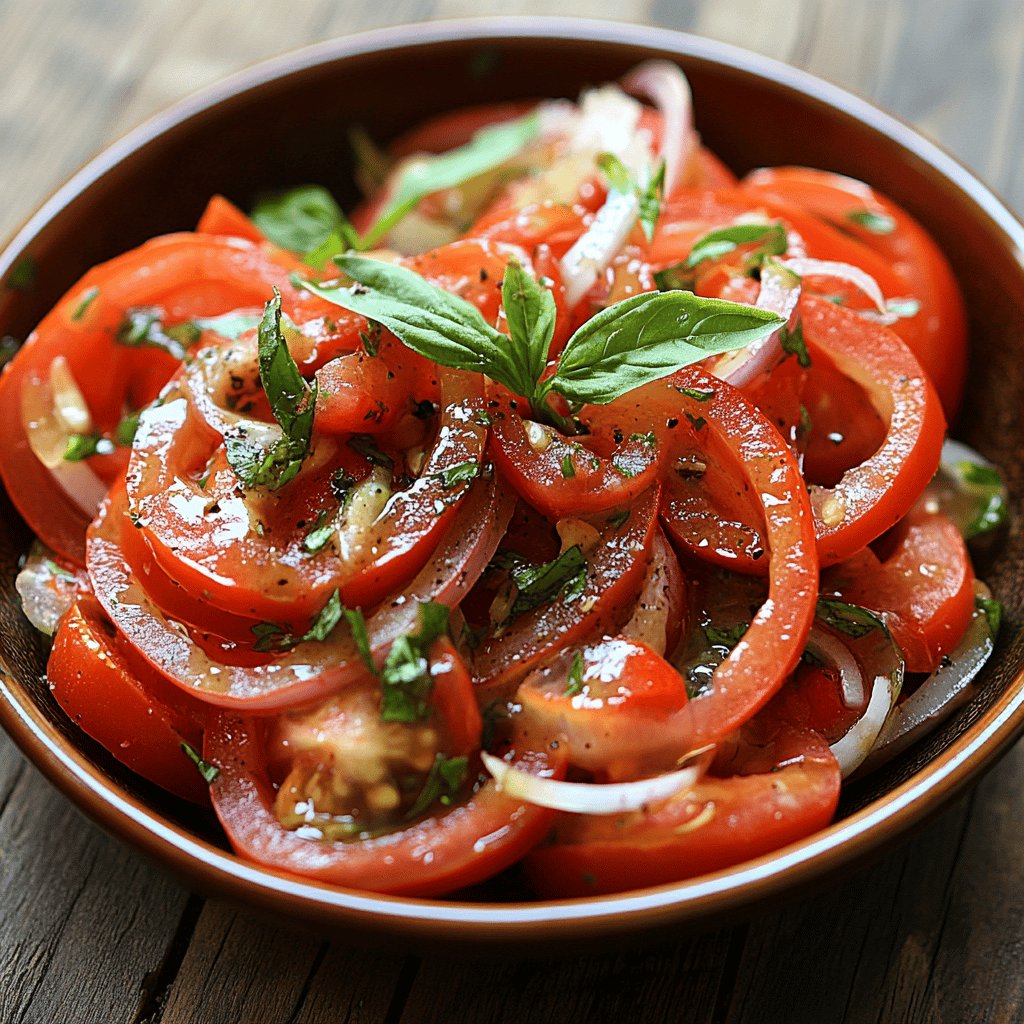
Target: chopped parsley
209 772
405 678
447 774
574 684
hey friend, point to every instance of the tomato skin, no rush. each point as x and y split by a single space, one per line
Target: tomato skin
357 393
111 694
720 822
875 495
923 590
464 844
622 723
222 217
593 484
454 699
908 248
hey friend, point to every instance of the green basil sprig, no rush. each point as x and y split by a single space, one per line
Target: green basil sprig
634 342
648 195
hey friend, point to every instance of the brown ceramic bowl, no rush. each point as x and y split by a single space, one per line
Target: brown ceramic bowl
283 123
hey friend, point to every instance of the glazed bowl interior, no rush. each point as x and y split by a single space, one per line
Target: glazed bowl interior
286 123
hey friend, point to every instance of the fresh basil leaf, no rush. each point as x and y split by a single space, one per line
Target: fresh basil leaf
443 327
678 277
568 466
647 337
292 401
489 148
326 619
272 636
209 772
723 241
530 312
406 682
541 584
442 784
847 618
986 485
301 219
574 683
697 394
876 222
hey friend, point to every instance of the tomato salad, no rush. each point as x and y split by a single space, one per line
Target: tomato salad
569 503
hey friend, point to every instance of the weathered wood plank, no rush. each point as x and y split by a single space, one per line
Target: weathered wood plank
239 969
678 981
83 920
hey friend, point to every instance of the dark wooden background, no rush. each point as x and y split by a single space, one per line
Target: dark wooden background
89 932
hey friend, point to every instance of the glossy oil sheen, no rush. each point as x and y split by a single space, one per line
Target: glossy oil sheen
285 123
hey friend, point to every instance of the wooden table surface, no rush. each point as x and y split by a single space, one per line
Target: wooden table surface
89 932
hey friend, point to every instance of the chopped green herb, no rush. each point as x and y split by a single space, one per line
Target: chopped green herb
22 275
463 473
305 220
87 298
442 785
208 771
125 432
319 535
649 196
727 638
574 684
231 326
697 394
271 636
993 610
877 222
144 327
342 483
616 521
568 467
292 401
723 241
793 344
846 618
365 445
405 679
82 446
697 422
541 584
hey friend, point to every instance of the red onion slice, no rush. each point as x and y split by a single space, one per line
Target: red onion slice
666 86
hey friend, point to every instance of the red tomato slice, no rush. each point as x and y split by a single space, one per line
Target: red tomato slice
923 590
311 670
613 703
561 477
222 217
723 420
717 823
463 844
875 495
614 572
660 614
115 697
184 276
200 527
887 229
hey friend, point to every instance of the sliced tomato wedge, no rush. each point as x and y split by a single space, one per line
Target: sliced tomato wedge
791 791
462 844
115 697
923 589
562 477
873 496
311 669
615 705
614 571
888 230
222 217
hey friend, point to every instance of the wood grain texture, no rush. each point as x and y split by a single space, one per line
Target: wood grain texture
932 933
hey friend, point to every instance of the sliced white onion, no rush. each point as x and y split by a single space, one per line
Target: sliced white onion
68 401
666 86
45 423
588 797
832 650
855 746
780 293
598 245
807 267
46 590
